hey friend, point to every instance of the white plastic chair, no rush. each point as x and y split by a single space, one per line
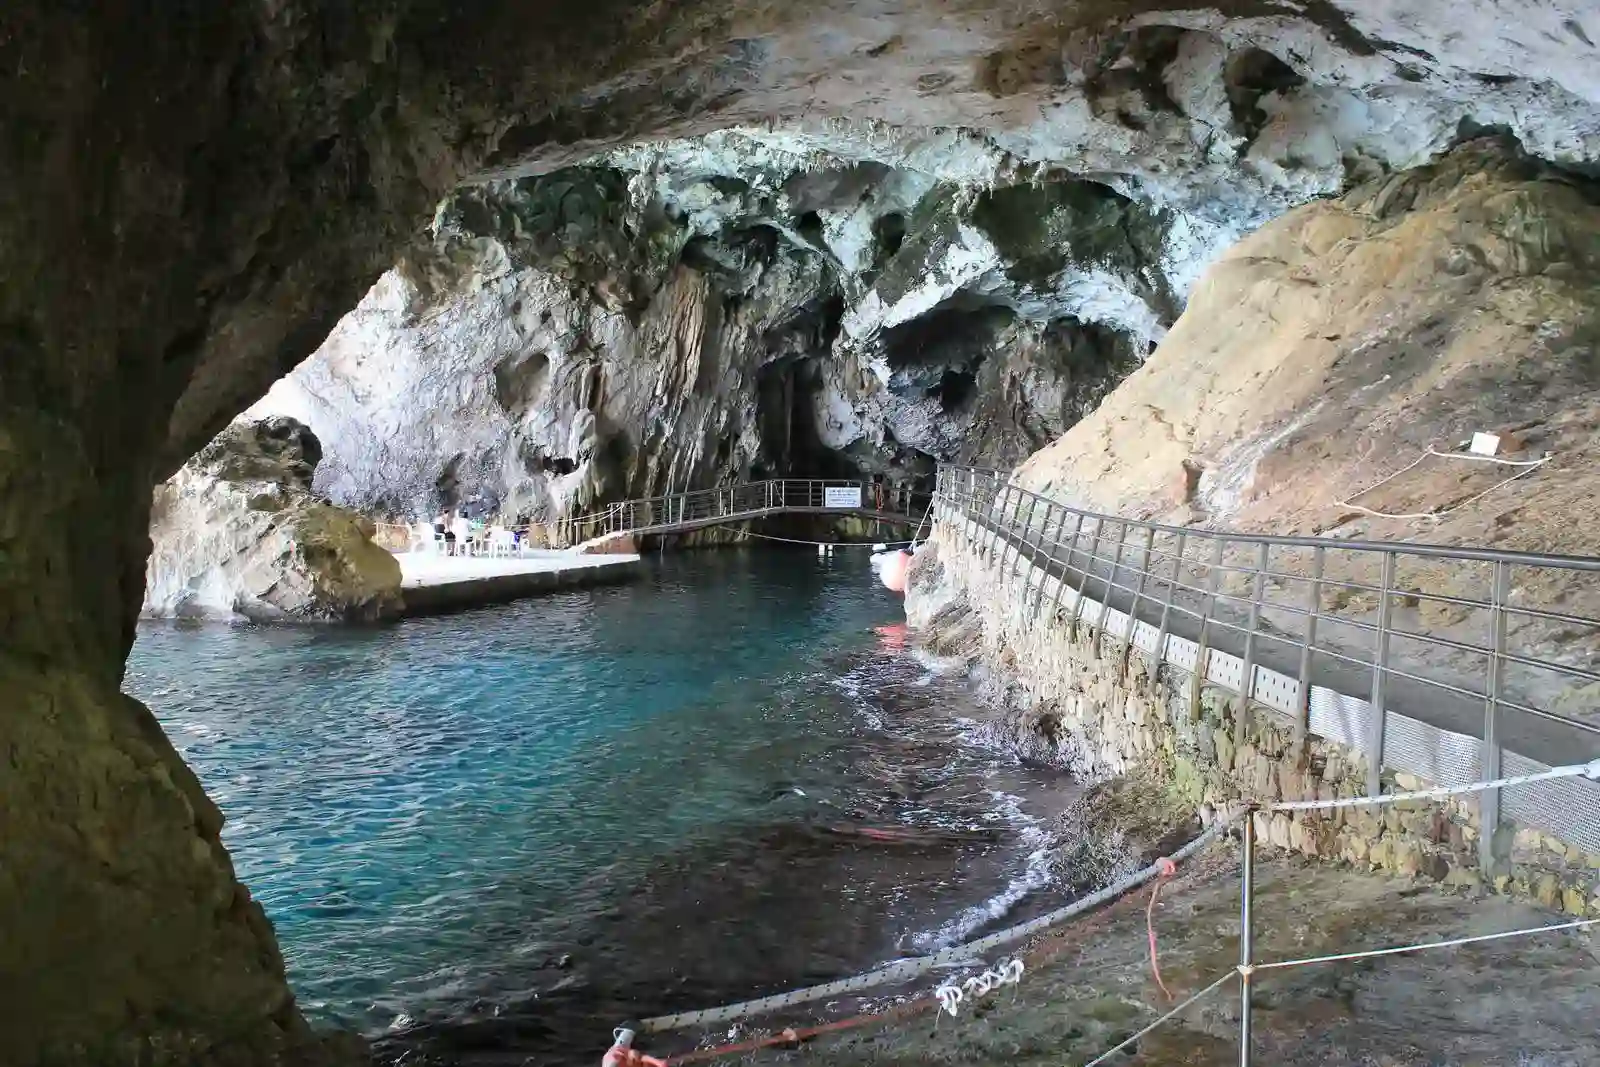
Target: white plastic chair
501 541
425 539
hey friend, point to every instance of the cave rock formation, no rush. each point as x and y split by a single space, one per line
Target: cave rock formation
237 533
600 334
193 195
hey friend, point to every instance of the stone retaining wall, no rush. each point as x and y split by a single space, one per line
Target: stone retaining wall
1088 704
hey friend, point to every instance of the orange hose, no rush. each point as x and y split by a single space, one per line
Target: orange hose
1165 869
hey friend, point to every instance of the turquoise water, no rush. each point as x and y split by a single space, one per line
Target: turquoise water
607 796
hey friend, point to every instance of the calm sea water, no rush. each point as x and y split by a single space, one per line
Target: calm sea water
499 827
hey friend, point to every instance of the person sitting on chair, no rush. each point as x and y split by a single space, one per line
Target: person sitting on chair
441 527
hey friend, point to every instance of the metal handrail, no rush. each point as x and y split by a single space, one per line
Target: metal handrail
734 503
1374 642
1489 555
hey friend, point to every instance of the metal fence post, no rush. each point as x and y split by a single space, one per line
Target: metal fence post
1202 654
1246 936
1160 655
1247 680
1017 540
1302 721
1072 549
1380 667
1133 610
997 516
1034 551
1066 568
1088 569
1008 525
1489 756
1105 605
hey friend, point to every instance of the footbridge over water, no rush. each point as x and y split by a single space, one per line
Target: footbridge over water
700 509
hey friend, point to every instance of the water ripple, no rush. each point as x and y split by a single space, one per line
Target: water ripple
436 813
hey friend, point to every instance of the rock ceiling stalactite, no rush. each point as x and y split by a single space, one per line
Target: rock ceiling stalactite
597 334
193 194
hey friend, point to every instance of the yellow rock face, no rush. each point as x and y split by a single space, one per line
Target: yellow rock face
1329 349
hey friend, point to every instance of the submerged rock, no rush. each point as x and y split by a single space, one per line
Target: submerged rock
238 533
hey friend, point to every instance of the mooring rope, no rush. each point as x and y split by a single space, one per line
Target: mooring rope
1589 770
830 544
905 970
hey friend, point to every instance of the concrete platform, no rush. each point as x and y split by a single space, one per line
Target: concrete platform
431 583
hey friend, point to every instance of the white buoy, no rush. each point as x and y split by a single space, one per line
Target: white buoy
822 549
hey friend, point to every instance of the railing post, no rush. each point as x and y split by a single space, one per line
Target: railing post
1247 886
1302 719
1160 655
1033 553
1066 568
997 512
1088 570
1202 656
1380 668
1133 610
1247 682
1018 540
1489 757
1111 586
1072 549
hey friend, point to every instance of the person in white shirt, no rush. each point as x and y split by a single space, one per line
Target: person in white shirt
463 531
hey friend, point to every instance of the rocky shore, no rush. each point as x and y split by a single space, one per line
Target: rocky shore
1527 1000
238 533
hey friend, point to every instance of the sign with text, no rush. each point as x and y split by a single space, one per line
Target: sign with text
841 496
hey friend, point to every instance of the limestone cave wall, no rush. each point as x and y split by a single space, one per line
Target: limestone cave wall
599 334
193 194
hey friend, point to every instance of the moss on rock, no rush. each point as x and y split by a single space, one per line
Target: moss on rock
238 532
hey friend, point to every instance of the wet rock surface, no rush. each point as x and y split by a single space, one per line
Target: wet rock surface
1522 1000
238 533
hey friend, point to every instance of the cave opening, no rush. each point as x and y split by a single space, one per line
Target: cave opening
1250 75
888 235
955 333
955 389
558 465
809 226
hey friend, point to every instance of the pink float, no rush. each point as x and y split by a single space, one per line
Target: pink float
893 572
